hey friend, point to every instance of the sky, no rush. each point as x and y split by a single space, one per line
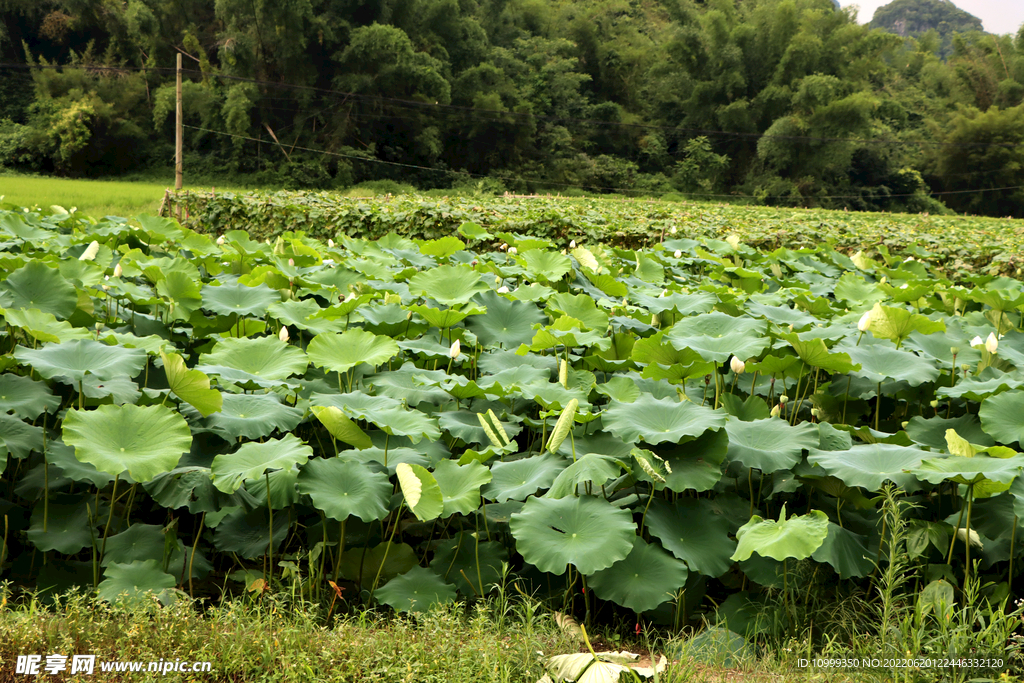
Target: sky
998 16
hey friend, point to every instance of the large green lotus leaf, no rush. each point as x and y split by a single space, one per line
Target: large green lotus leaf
978 388
659 420
67 524
852 288
238 299
896 324
691 531
262 358
191 386
771 444
120 389
18 439
253 459
460 485
356 404
939 345
644 579
846 552
44 327
463 424
283 491
421 491
447 285
410 384
417 590
1002 417
411 423
137 542
252 416
144 441
656 349
813 352
879 363
964 470
781 315
463 559
545 266
361 565
246 533
62 456
305 314
697 464
591 468
35 285
134 581
12 224
341 488
796 537
181 290
507 323
72 361
521 478
749 410
192 486
442 248
870 465
579 307
931 432
717 336
340 352
443 318
686 304
587 532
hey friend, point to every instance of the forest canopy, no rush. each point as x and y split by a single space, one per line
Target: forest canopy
786 102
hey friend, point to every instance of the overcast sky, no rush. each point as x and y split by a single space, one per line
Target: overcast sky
998 16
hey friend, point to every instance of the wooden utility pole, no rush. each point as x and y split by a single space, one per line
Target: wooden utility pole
178 130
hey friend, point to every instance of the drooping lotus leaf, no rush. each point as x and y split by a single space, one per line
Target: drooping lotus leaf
134 580
67 524
341 488
846 552
644 579
192 486
691 531
813 352
448 285
474 566
717 336
1002 417
18 439
181 290
417 590
253 459
44 327
460 485
238 299
658 420
591 468
191 386
579 307
421 491
137 542
341 352
35 285
970 470
880 363
70 362
587 532
62 456
870 465
261 358
771 444
507 323
518 479
749 410
341 427
144 441
252 416
796 537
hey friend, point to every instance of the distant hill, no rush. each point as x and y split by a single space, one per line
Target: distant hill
911 18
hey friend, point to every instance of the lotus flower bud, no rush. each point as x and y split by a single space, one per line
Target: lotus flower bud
283 334
954 350
734 241
291 262
672 230
106 288
737 366
330 243
503 290
865 322
654 320
977 341
513 250
883 280
904 424
90 251
678 253
815 412
455 350
783 399
408 315
991 343
503 247
775 411
934 404
220 240
563 374
118 270
572 244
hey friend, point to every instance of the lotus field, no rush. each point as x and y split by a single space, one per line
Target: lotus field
664 434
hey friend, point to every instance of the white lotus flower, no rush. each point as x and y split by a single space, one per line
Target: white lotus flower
678 253
977 341
513 250
991 344
572 244
330 243
865 322
503 290
90 251
283 334
783 400
672 230
737 366
964 534
455 350
118 270
775 411
220 240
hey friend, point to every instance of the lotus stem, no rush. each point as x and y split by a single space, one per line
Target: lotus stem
967 526
80 397
1009 576
110 515
192 557
476 552
846 397
716 385
398 518
270 530
46 488
953 541
878 404
341 549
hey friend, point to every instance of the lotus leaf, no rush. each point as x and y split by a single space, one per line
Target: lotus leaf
507 324
421 491
691 531
252 460
868 466
134 580
448 285
341 352
796 537
460 486
252 416
717 336
644 579
70 362
342 488
658 420
518 479
1002 417
264 359
771 444
44 327
417 590
191 386
67 529
35 285
238 299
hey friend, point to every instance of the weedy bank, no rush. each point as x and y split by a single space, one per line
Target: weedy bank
693 432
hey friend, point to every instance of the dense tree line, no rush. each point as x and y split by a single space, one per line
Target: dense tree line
790 102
